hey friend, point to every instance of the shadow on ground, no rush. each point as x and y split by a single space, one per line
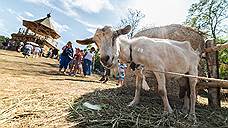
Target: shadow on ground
49 64
79 80
148 114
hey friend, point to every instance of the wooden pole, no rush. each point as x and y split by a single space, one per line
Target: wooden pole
213 93
216 84
216 48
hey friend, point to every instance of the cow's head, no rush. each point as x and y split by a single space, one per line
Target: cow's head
105 39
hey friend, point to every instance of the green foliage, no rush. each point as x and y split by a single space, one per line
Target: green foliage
223 56
223 71
223 60
209 16
3 39
88 47
97 64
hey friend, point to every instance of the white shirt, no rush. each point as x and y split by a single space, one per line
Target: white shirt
89 56
121 68
37 50
29 46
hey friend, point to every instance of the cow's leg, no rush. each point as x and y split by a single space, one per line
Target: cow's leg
162 91
184 93
137 90
192 83
185 108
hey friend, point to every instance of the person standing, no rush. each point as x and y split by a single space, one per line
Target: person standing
76 66
36 52
122 72
49 54
105 75
54 53
27 50
66 57
88 58
20 46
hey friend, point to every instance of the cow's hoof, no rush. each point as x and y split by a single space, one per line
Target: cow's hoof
165 113
168 110
192 118
184 110
132 103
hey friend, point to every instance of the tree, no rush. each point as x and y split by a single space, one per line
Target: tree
223 60
3 39
209 16
88 47
133 18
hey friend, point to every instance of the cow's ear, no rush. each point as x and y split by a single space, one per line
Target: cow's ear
86 41
124 30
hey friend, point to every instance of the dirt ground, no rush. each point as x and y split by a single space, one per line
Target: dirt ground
33 94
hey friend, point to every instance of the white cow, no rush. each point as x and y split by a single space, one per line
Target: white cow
154 54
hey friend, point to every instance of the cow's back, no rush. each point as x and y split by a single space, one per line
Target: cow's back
173 32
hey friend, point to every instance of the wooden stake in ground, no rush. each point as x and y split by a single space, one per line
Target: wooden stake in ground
216 48
213 93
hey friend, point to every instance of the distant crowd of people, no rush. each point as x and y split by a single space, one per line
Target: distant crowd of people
28 49
81 63
71 62
8 44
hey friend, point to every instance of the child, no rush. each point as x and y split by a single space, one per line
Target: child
76 63
78 57
121 71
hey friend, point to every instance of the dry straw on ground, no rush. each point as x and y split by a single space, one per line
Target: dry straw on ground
33 95
148 114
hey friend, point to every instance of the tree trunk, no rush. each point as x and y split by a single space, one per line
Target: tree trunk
213 93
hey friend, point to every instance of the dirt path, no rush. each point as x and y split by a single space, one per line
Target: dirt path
32 94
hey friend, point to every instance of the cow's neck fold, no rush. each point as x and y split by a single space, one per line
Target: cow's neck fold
125 53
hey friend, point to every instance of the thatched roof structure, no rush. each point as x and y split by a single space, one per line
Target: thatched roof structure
42 26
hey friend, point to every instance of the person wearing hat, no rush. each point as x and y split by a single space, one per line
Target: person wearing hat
66 57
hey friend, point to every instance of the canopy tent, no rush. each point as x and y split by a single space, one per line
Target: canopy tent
33 44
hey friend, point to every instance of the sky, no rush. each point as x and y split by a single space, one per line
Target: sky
78 19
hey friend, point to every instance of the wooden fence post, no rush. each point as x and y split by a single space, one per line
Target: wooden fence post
213 93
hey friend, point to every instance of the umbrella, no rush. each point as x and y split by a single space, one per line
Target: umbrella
42 27
34 44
